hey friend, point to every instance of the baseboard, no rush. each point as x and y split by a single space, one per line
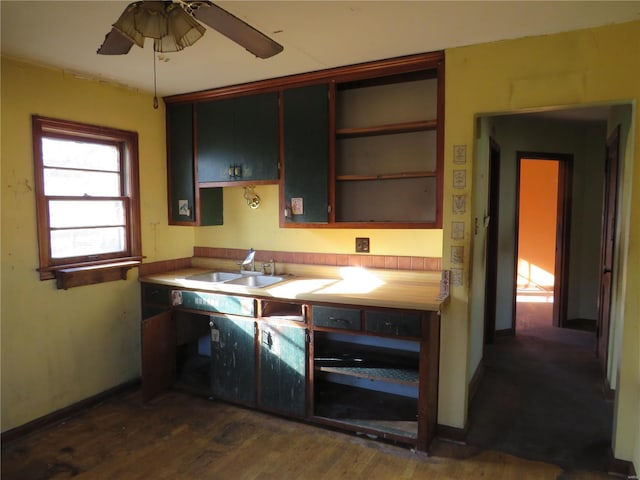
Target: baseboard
453 434
66 412
506 332
622 468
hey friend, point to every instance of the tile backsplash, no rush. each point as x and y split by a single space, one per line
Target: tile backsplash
392 262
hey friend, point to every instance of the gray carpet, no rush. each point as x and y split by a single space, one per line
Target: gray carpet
541 398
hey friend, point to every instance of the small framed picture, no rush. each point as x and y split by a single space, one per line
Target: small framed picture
183 208
457 230
459 154
459 179
297 206
459 204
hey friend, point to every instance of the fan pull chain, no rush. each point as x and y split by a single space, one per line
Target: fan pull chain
155 89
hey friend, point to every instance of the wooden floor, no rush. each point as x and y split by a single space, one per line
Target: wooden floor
178 436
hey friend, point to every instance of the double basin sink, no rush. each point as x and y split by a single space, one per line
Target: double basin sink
248 279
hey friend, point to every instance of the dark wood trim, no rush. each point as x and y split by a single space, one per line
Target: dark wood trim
89 275
492 240
474 383
127 142
392 66
440 144
66 412
607 246
622 468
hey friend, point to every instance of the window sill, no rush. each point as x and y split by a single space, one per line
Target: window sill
90 274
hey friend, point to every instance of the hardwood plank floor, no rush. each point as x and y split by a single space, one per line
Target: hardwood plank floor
178 436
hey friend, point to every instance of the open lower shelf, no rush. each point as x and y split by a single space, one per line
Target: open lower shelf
362 410
402 376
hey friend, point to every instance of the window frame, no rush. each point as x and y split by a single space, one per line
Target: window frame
127 143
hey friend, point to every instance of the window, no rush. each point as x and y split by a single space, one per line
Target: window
86 182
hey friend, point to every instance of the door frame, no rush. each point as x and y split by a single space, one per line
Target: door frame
607 246
491 254
563 232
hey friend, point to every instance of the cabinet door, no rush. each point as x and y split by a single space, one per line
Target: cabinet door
158 354
181 174
283 354
233 359
306 152
237 139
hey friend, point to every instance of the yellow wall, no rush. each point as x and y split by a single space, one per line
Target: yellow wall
245 228
587 66
59 347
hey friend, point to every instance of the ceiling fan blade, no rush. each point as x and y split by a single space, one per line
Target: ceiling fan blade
115 44
235 29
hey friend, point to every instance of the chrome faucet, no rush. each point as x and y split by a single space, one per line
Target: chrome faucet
249 260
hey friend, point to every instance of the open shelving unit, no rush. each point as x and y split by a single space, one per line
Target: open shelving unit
386 149
367 384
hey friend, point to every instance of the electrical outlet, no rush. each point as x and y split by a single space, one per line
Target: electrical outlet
362 245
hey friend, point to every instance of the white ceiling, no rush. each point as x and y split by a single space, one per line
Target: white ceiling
315 35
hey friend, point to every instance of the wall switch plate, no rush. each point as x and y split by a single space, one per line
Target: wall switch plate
362 245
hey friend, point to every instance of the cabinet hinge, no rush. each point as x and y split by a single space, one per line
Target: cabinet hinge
328 208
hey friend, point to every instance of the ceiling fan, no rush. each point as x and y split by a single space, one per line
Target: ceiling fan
175 24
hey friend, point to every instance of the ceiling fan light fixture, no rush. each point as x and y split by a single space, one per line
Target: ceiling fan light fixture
150 19
126 25
184 30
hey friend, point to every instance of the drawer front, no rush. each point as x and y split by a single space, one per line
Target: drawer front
399 324
341 318
214 302
156 294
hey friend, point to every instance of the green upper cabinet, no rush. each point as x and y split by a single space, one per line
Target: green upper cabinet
306 154
188 204
182 195
237 139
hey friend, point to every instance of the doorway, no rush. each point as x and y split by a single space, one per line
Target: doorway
542 239
540 395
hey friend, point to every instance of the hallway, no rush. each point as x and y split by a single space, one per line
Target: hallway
541 396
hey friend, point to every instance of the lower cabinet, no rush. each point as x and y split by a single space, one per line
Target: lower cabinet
233 359
376 372
372 371
283 368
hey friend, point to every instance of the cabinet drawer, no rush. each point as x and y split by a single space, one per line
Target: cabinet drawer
342 318
156 294
214 302
400 324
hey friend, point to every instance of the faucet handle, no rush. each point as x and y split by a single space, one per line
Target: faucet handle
271 264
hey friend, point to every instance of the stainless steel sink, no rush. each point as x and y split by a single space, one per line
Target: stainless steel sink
214 277
255 281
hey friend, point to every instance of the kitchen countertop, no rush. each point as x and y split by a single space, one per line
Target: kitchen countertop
309 283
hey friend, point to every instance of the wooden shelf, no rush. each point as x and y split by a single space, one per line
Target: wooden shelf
386 176
403 376
387 129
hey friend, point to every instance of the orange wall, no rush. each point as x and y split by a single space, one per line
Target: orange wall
537 220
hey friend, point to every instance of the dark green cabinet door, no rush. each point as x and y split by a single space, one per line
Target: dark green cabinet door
237 139
233 375
180 165
181 174
306 152
283 353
